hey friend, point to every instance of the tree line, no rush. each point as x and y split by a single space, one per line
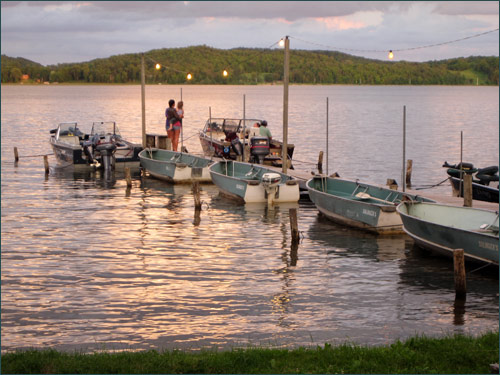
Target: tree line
254 66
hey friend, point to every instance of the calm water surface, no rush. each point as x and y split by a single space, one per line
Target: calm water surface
87 265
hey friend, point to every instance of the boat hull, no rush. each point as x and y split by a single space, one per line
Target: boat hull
68 155
244 183
442 229
175 166
336 199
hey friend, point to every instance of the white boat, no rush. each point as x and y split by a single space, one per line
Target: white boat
102 148
173 166
252 183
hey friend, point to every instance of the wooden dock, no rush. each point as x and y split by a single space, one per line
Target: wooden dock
302 177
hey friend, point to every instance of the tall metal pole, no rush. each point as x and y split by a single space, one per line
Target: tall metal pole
182 128
284 153
211 131
143 98
244 124
403 181
460 194
327 136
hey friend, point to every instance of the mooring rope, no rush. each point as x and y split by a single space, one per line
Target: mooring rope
34 156
432 186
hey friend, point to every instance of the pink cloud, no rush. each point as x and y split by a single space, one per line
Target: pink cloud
340 23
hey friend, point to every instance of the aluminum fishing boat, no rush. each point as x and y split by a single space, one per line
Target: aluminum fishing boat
357 204
442 229
173 166
252 183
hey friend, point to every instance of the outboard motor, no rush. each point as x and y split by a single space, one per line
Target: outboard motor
87 150
107 151
237 146
270 182
259 149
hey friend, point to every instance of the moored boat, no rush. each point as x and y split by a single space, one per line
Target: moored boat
442 229
252 183
220 137
358 205
103 147
484 182
173 166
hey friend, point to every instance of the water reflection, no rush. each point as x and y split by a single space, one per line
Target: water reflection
89 264
347 242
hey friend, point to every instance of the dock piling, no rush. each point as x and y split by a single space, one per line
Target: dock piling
467 190
393 185
16 155
294 225
409 167
128 177
320 162
46 164
459 272
196 194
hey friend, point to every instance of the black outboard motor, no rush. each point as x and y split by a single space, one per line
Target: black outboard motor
259 149
237 146
87 150
107 151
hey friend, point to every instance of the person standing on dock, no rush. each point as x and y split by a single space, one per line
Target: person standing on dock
172 116
178 124
264 131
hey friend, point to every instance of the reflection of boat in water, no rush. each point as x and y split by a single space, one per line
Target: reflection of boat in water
443 228
87 178
343 241
357 204
173 166
252 183
103 147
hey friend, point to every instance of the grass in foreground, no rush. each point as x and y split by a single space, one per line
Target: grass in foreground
419 355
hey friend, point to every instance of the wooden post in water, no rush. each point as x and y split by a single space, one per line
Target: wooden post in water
284 151
409 167
393 185
128 177
46 164
467 190
196 194
16 155
143 100
294 225
320 162
459 268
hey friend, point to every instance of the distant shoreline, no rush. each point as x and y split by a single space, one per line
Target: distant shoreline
228 84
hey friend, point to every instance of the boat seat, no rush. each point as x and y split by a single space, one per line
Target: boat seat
71 139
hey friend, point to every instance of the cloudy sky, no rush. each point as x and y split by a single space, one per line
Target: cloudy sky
57 32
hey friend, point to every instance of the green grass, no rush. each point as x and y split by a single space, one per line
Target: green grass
420 355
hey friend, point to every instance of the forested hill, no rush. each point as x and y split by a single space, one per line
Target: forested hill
255 66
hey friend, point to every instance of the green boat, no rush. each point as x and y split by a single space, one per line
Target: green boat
252 183
359 205
442 229
173 166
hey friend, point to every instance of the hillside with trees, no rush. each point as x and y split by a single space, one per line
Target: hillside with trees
255 66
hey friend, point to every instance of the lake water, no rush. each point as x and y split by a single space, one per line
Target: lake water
86 265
